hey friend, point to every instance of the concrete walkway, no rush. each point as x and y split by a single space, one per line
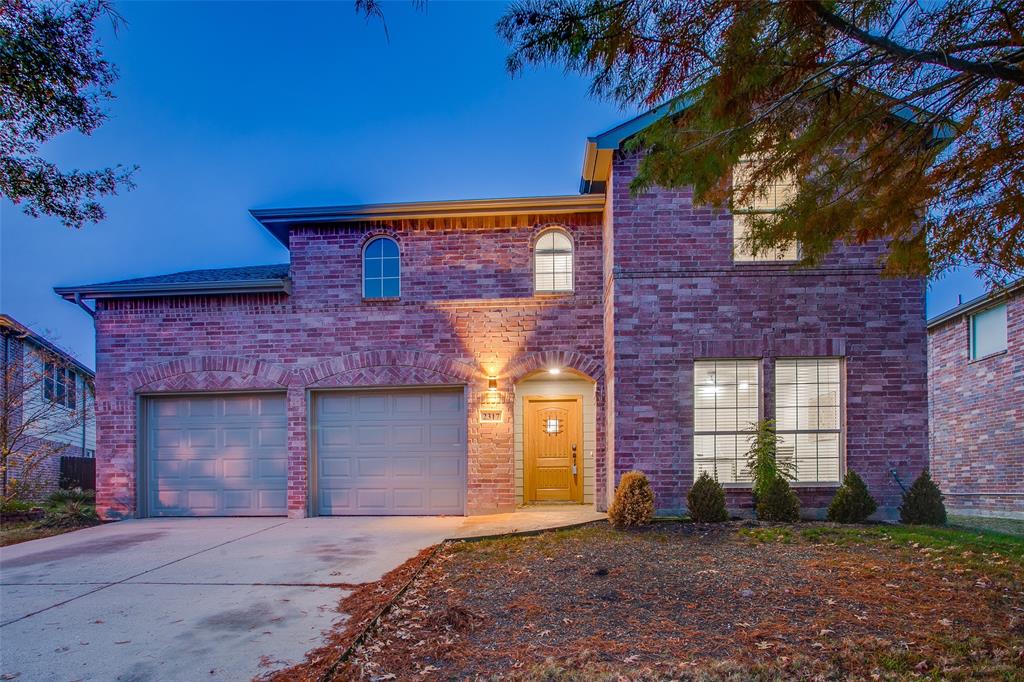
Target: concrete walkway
205 599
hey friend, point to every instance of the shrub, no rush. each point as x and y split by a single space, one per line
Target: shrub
59 497
923 503
778 502
634 501
762 459
706 501
15 506
70 515
852 503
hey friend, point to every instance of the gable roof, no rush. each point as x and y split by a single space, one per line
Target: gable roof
975 304
11 327
247 279
600 148
279 221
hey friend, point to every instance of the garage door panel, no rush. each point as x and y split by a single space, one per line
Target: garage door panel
391 452
217 456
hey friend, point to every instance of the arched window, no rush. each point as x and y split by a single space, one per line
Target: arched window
381 270
552 262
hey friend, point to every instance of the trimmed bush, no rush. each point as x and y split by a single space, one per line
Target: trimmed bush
706 501
923 503
852 503
634 501
70 515
778 502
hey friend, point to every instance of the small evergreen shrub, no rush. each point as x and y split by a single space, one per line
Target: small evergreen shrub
706 501
778 502
852 503
923 503
70 514
634 501
763 461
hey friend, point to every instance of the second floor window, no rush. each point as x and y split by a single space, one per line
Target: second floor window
988 332
59 385
552 262
767 203
381 269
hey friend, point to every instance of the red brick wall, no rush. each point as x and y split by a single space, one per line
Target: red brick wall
977 417
679 297
467 309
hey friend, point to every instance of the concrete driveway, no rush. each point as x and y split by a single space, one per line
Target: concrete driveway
204 599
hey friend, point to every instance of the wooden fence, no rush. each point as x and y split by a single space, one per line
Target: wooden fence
78 472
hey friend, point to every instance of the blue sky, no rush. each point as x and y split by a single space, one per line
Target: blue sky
231 106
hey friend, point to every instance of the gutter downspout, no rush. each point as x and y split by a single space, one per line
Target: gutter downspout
83 306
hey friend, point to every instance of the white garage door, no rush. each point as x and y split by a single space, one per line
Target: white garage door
391 452
223 455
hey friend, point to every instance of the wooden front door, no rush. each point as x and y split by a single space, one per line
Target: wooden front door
553 449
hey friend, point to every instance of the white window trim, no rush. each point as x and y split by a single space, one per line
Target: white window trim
572 255
842 421
362 268
741 211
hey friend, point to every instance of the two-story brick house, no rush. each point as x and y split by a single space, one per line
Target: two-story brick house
469 356
976 403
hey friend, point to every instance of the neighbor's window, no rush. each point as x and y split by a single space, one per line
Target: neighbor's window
725 413
59 385
381 269
552 258
770 202
988 332
808 417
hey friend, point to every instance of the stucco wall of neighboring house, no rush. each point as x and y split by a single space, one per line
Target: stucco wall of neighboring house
977 417
467 310
679 297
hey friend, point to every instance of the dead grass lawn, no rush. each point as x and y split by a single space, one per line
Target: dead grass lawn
732 601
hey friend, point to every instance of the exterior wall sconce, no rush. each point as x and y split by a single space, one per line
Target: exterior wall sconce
555 370
492 384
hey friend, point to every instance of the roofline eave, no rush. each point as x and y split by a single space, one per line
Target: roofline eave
163 289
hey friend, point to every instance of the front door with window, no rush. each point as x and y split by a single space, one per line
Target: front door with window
553 449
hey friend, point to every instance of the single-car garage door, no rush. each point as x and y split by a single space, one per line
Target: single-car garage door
391 452
218 455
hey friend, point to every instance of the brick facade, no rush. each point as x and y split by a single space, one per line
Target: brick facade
677 297
655 289
467 310
976 410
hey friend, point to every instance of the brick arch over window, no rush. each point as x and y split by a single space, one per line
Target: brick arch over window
380 231
209 373
390 366
533 362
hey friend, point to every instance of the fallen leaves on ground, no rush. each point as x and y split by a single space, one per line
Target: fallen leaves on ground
687 601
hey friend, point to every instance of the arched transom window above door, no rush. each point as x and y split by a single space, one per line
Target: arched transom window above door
553 262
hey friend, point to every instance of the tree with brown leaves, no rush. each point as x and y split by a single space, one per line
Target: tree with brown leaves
895 119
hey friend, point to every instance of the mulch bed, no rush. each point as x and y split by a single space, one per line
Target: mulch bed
683 600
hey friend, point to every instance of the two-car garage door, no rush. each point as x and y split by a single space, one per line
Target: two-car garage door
376 452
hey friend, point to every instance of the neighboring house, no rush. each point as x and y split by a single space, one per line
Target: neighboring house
465 357
47 407
976 403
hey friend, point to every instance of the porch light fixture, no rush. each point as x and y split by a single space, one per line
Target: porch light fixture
555 370
492 384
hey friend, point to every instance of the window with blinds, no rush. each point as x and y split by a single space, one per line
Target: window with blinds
771 201
553 256
726 401
809 417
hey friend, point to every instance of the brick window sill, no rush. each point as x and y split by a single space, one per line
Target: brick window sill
384 299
